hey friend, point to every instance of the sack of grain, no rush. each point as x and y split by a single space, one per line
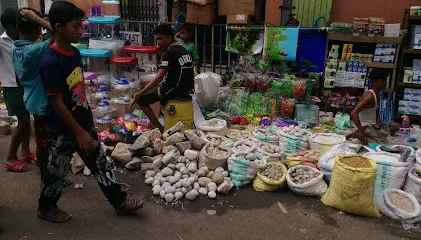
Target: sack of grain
213 156
306 181
294 141
413 184
214 126
400 206
243 171
418 159
271 178
352 186
327 160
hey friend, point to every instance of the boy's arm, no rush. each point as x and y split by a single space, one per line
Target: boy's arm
365 100
157 80
29 15
86 143
177 37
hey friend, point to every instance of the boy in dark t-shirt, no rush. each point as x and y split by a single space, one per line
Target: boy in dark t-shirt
176 67
69 119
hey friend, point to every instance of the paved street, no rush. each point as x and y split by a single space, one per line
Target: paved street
243 214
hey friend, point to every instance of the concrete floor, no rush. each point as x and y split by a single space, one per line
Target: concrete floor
243 214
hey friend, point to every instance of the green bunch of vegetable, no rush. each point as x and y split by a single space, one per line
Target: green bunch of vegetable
255 103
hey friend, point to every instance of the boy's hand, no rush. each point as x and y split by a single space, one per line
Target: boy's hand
136 97
28 15
85 141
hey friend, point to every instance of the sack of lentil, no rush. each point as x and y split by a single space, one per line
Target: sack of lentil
271 178
400 206
352 186
413 184
306 181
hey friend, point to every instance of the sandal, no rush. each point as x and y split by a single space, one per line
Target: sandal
17 166
31 157
129 206
54 215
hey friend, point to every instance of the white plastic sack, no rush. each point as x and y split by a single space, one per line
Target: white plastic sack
418 159
214 126
224 142
266 135
243 172
390 210
207 88
413 185
316 187
277 156
251 147
411 158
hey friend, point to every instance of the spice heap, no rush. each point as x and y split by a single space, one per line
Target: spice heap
356 161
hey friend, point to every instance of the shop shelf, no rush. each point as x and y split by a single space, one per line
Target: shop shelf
380 65
409 85
415 18
412 51
364 39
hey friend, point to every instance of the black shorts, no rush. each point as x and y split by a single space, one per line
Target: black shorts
151 98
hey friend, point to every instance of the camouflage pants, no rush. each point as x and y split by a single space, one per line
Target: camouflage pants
61 148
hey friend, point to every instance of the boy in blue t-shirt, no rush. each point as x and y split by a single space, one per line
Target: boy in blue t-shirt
69 119
26 56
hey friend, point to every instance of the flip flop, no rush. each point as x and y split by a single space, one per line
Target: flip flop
17 166
30 158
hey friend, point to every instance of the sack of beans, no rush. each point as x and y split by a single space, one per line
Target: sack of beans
308 157
215 126
307 181
273 152
217 140
400 206
352 186
271 178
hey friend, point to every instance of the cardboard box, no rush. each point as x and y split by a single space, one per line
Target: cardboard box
239 19
234 7
203 2
201 15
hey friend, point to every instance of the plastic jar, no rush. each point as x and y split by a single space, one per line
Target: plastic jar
101 93
121 105
103 123
103 108
126 66
122 88
91 85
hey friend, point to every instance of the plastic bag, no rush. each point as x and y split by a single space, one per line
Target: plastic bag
207 88
264 184
351 189
342 120
315 187
390 210
215 126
